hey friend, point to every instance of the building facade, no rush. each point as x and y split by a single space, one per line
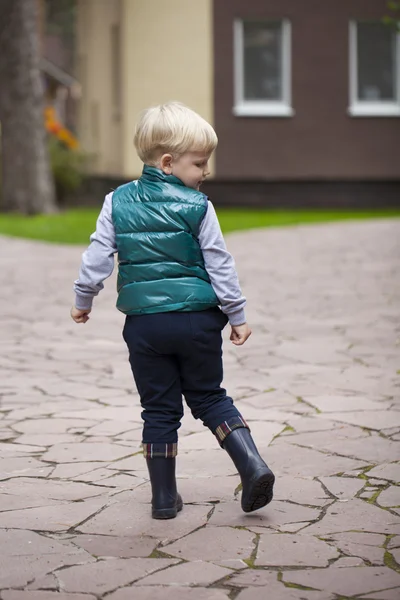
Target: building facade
132 54
304 96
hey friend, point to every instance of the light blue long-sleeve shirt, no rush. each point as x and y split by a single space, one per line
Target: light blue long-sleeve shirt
98 263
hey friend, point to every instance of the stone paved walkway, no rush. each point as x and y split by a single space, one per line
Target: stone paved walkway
318 382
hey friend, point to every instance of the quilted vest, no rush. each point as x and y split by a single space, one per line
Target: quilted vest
160 263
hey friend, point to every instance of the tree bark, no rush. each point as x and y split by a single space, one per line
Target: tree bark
27 183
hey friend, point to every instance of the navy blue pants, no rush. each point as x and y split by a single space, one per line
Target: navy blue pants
174 354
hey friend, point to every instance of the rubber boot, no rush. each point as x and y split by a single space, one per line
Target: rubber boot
166 502
257 479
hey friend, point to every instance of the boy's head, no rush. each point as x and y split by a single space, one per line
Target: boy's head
177 140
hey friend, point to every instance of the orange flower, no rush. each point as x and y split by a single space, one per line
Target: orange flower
54 127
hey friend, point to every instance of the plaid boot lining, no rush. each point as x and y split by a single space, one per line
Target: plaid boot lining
225 428
160 450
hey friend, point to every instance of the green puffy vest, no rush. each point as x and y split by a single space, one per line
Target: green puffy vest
160 263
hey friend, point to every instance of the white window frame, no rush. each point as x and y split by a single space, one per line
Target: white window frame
262 108
358 108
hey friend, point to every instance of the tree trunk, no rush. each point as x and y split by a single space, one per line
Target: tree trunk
27 183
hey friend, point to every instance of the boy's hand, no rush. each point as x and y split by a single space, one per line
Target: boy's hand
239 334
80 316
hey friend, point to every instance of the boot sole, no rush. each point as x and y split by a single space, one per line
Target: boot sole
260 493
167 513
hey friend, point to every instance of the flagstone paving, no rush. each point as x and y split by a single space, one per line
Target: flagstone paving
318 382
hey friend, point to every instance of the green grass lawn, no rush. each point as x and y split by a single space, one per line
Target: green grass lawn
75 226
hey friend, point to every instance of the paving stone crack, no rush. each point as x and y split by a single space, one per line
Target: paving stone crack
75 528
137 579
331 453
250 562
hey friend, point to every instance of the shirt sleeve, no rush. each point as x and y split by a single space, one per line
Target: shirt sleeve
98 260
221 269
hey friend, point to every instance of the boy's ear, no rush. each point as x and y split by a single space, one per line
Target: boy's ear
166 163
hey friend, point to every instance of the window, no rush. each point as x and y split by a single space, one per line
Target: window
374 69
262 68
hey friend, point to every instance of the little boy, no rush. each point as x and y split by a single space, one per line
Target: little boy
178 287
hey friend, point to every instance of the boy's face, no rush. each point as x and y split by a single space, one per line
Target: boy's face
191 168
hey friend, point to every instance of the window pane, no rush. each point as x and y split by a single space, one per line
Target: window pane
262 61
376 56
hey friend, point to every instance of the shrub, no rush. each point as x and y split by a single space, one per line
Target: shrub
68 167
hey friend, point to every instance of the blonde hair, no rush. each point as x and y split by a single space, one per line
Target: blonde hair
172 128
